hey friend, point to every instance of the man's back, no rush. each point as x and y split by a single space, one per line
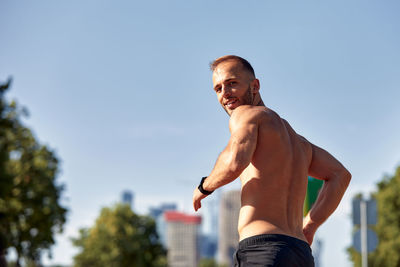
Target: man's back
273 163
275 182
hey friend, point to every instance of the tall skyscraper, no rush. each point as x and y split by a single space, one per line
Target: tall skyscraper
208 246
228 226
317 247
209 240
127 198
157 213
183 239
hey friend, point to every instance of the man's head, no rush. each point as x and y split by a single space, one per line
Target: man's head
234 82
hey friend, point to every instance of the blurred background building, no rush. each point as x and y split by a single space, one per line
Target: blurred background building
209 238
228 226
317 247
127 198
183 239
208 246
157 213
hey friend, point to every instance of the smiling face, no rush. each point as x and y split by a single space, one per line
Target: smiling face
234 85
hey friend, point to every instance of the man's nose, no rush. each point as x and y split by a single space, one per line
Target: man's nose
226 91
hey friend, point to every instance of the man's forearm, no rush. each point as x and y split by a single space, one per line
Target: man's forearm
328 199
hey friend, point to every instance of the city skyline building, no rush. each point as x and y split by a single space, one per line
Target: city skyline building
157 214
209 239
208 246
317 247
127 198
228 226
182 238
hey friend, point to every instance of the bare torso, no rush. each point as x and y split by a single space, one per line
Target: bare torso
275 182
272 161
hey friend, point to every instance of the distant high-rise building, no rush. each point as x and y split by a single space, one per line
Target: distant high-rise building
208 246
127 198
209 237
183 239
157 214
317 246
228 226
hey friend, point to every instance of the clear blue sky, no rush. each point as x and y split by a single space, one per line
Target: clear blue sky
122 91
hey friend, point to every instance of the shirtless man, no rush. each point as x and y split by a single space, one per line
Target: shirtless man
273 163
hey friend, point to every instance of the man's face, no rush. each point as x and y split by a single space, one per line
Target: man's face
234 85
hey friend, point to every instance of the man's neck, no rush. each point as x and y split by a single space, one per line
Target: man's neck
260 103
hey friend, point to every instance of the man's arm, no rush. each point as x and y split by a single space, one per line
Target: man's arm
237 154
325 167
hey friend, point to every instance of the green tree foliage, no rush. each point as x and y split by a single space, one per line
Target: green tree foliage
207 262
5 181
120 238
30 209
387 229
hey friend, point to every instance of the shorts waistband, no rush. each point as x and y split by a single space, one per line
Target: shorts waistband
261 239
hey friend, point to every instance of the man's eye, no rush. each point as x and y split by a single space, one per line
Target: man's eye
218 89
232 83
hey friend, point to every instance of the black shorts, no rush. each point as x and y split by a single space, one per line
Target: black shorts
273 250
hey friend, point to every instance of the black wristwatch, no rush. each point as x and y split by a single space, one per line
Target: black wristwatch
201 189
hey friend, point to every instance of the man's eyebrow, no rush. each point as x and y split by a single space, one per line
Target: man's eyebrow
215 87
224 81
228 80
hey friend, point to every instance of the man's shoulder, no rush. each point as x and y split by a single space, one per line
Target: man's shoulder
247 114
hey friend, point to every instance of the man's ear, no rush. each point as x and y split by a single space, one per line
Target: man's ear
256 85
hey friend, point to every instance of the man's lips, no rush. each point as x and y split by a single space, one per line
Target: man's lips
231 103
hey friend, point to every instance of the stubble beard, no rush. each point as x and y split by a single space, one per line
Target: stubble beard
247 99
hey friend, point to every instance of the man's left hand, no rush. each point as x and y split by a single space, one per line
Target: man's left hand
197 197
309 229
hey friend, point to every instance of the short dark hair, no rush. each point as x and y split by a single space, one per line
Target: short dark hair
245 63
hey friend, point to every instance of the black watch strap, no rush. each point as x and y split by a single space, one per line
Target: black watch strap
201 189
